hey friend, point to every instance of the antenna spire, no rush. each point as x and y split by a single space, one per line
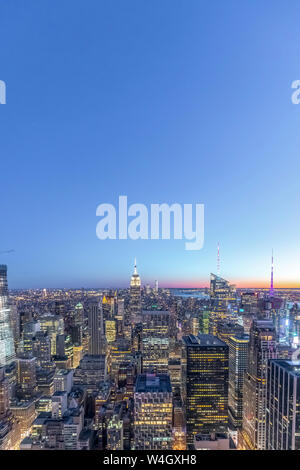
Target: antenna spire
218 260
272 276
135 270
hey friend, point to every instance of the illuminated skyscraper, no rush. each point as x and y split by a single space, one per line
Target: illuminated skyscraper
155 340
222 296
205 383
7 350
153 412
135 296
238 362
262 347
95 324
283 404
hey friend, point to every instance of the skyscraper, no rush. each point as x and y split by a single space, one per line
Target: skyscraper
7 350
222 295
262 347
153 412
135 296
95 327
205 381
283 403
238 361
155 340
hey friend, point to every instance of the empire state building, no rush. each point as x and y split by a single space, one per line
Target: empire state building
135 296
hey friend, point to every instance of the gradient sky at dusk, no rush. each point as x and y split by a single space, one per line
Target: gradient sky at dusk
162 101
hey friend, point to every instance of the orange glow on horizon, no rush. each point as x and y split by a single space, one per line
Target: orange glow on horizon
251 284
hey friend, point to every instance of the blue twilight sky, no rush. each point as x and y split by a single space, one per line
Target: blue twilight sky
184 101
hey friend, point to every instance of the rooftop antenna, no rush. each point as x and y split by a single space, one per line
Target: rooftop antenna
272 276
135 270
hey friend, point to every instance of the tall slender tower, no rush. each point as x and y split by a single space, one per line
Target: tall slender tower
262 348
135 296
272 278
7 350
95 321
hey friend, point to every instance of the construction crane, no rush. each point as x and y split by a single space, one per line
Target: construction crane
6 252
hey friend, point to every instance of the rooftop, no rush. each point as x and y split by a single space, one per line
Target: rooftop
153 383
203 340
290 366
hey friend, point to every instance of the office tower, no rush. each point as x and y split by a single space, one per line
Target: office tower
4 394
283 404
135 304
155 340
41 348
226 329
238 362
156 287
174 370
205 382
153 412
110 331
26 376
7 350
115 431
44 380
91 371
59 404
24 412
262 347
77 324
204 322
60 345
120 352
63 380
30 329
222 297
15 323
95 325
54 325
119 318
78 315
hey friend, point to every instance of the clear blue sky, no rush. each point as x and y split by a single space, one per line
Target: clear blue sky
160 100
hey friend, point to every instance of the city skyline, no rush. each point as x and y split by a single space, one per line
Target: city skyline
164 104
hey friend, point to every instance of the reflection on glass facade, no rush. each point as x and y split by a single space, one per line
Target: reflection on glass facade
6 335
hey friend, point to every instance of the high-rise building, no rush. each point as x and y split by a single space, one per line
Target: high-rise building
26 370
7 350
95 324
226 329
262 347
155 340
238 362
54 325
41 348
222 297
135 296
4 394
283 405
205 384
153 412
